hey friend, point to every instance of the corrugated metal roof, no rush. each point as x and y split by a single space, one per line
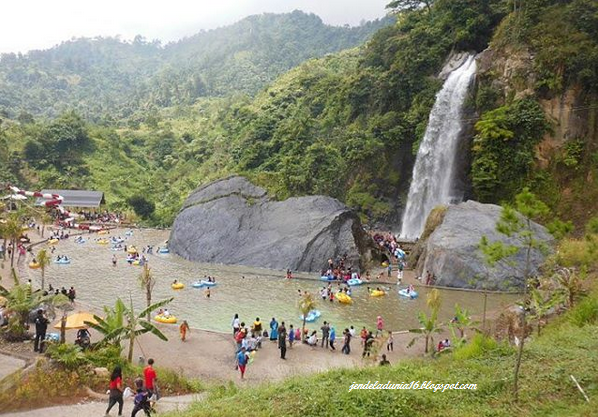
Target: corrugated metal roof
76 198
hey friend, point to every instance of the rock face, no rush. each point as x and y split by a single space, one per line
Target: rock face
452 255
232 221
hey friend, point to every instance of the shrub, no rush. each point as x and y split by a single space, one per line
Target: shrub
477 347
586 312
70 357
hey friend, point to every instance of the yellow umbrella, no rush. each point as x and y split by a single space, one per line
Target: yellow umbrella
77 321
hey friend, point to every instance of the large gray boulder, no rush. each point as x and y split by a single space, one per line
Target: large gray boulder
451 252
232 221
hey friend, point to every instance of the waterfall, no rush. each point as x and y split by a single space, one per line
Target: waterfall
433 173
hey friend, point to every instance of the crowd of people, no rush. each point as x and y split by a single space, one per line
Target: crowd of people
249 339
101 217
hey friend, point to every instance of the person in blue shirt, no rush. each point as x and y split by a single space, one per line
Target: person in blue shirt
332 337
242 359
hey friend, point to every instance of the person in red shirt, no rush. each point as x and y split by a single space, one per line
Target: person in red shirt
116 391
150 377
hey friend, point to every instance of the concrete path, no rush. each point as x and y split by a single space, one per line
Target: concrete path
8 365
97 409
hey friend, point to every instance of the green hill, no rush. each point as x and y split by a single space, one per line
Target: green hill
347 124
109 77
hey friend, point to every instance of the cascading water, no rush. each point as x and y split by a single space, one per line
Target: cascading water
433 174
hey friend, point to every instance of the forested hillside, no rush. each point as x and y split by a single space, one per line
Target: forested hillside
349 124
108 78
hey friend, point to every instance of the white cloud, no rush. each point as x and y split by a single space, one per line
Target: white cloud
39 24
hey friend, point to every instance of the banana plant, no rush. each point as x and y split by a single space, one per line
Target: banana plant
123 323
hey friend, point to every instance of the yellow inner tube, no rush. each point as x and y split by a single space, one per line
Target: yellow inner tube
52 241
135 262
169 320
103 232
132 250
178 286
377 293
344 298
103 242
34 265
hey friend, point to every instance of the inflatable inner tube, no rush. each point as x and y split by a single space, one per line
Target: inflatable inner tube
408 294
34 265
377 293
168 320
178 286
354 281
164 250
63 262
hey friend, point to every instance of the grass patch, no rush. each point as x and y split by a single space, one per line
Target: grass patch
564 349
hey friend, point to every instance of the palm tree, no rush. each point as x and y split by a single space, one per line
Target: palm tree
429 325
462 321
570 285
542 302
147 282
20 301
43 259
131 325
13 230
306 304
45 218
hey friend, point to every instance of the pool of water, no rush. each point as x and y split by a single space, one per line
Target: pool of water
250 292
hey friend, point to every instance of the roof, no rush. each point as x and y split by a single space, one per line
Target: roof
76 198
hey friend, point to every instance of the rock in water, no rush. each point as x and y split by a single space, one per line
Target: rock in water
451 253
232 221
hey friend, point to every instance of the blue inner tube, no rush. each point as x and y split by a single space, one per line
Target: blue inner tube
326 278
411 294
164 250
202 283
63 262
354 281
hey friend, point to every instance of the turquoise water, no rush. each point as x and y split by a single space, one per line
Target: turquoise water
261 293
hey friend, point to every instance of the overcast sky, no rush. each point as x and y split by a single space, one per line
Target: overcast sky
40 24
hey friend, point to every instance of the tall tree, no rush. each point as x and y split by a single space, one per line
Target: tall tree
43 259
147 282
306 304
516 222
429 324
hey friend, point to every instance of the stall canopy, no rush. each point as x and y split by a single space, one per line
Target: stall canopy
76 198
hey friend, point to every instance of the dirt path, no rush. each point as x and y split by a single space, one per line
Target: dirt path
97 408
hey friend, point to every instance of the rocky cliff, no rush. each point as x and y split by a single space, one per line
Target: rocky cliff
451 252
232 221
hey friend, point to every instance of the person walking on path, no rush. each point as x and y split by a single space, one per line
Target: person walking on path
282 340
242 359
390 342
325 334
379 326
367 345
183 329
116 391
150 377
291 336
332 337
347 342
236 324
